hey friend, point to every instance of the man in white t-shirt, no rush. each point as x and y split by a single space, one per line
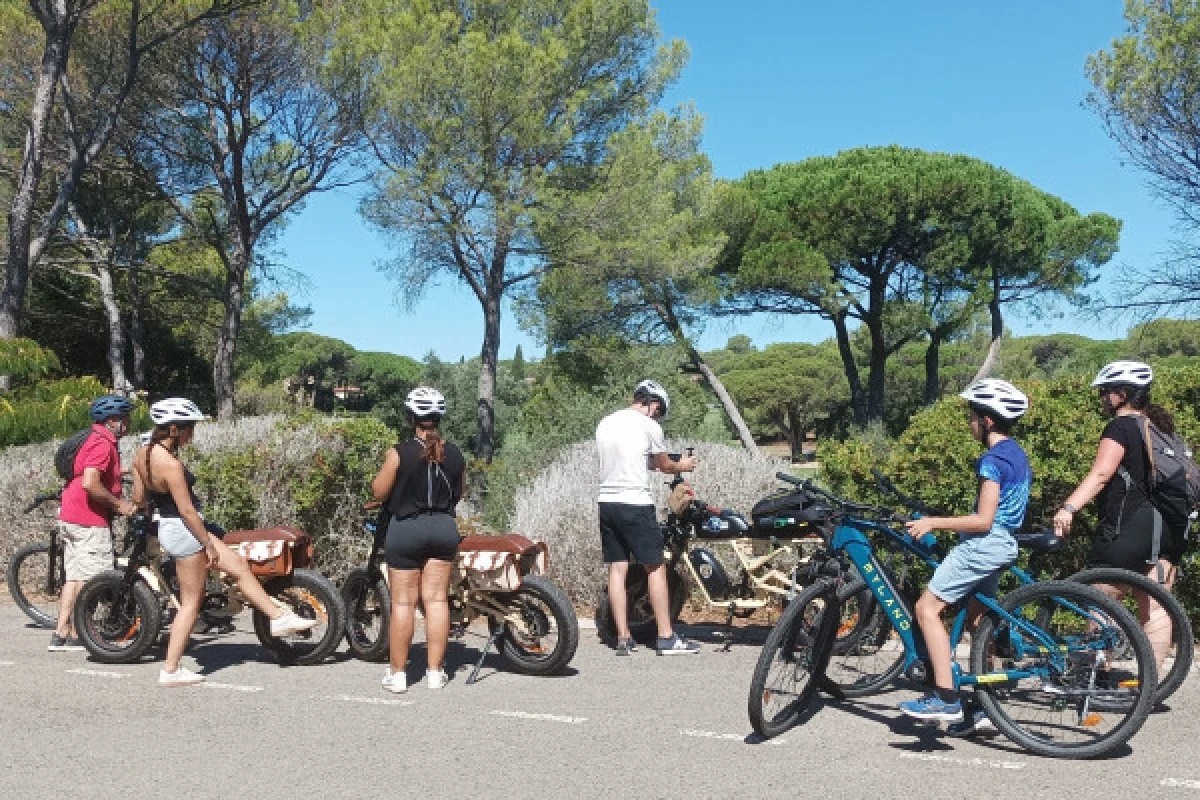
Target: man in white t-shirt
629 443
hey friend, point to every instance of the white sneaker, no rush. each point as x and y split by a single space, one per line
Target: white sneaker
290 623
395 682
436 678
180 677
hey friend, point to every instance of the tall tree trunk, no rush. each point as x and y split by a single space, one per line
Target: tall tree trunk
876 378
993 353
116 331
20 213
858 398
137 333
795 434
485 444
667 314
933 352
231 323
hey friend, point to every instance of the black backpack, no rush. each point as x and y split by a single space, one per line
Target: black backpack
64 456
1172 482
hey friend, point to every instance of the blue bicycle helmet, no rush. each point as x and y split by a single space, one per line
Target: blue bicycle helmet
110 405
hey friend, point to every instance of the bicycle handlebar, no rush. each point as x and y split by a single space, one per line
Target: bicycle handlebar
845 505
42 498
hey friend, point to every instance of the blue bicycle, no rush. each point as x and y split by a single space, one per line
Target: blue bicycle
1062 669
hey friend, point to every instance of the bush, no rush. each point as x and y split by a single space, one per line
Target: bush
54 409
934 458
558 505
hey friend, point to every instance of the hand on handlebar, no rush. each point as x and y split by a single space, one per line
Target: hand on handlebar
919 527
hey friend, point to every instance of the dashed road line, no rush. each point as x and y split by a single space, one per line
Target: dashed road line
728 737
98 673
374 701
1180 783
542 717
232 687
965 762
8 663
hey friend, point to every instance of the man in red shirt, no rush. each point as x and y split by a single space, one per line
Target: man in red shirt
89 502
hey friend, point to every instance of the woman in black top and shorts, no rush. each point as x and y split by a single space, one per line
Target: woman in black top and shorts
420 482
1118 477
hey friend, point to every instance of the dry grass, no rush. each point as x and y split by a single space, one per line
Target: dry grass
559 506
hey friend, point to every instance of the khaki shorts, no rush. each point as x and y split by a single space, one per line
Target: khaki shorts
87 550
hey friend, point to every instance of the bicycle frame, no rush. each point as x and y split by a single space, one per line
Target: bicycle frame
850 538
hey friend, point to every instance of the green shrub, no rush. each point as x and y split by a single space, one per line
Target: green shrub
53 410
934 458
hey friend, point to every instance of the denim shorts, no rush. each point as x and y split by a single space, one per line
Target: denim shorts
175 538
976 562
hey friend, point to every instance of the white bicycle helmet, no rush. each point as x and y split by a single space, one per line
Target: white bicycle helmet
175 409
1124 373
425 401
652 389
1000 397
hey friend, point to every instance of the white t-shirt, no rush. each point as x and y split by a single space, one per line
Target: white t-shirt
625 440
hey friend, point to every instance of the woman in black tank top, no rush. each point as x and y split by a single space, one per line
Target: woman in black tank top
161 482
420 483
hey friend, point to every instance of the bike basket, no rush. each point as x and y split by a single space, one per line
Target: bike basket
790 513
272 552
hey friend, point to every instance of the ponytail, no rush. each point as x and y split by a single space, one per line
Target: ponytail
435 445
1162 419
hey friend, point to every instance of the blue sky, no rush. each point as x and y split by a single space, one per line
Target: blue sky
780 81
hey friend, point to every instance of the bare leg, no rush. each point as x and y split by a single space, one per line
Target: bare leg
937 640
235 566
660 599
66 603
617 571
435 585
404 586
191 572
1154 618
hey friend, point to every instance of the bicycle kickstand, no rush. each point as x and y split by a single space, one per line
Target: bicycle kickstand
729 631
482 656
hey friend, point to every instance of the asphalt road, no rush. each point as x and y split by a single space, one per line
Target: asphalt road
645 726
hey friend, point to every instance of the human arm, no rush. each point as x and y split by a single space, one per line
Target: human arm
139 487
93 483
1108 460
978 522
385 480
663 462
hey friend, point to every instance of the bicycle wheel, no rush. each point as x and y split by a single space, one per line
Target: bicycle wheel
1170 634
33 587
118 624
874 658
368 614
859 613
1085 695
792 660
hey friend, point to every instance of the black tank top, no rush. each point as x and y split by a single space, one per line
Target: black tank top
163 502
426 487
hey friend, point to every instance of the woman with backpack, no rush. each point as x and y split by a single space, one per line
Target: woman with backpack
1120 478
420 483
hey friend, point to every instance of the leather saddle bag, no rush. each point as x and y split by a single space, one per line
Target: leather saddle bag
272 552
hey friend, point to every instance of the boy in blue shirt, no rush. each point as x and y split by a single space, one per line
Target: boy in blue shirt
986 544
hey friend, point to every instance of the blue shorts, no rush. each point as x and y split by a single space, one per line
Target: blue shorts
976 562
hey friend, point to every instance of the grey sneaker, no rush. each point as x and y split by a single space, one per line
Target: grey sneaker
676 645
64 644
626 647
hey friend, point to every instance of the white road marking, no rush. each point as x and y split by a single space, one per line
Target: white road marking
233 687
587 624
965 762
98 673
375 701
1180 783
729 737
543 717
7 663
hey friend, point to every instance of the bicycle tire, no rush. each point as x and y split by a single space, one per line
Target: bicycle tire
1182 636
803 643
118 624
546 613
368 615
874 660
639 617
32 588
1070 698
309 595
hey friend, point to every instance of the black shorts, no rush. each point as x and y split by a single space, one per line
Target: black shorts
412 541
630 533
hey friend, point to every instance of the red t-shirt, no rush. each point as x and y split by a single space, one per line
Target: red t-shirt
99 451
